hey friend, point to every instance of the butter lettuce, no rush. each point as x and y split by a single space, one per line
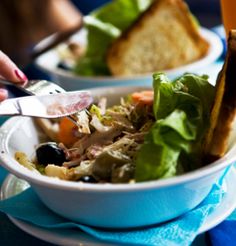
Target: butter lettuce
103 26
182 110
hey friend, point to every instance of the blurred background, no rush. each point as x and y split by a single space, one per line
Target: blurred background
24 23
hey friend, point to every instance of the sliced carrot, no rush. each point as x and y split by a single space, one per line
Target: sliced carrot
66 132
144 97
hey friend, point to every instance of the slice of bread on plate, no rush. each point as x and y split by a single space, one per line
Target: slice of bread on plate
165 36
224 108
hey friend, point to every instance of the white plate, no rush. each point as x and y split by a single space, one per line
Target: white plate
48 62
13 185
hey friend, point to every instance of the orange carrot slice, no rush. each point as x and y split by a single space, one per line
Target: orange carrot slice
66 132
144 97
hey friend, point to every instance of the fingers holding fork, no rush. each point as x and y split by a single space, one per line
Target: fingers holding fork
9 71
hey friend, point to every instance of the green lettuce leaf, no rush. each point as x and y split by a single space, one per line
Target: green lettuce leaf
182 110
104 25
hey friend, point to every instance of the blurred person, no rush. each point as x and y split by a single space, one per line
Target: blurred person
24 23
9 71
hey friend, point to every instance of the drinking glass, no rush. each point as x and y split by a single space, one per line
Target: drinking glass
228 11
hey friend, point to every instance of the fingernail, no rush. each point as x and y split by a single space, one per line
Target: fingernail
20 75
25 83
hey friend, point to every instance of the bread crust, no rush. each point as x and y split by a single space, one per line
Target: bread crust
223 112
122 57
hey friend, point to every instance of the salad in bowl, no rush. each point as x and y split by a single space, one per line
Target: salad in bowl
136 162
148 135
145 157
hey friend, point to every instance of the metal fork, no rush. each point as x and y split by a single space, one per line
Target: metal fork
35 87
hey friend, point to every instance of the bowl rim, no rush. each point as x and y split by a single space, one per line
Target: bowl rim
214 52
14 167
8 161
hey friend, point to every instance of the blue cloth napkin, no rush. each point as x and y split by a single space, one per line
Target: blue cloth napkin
223 234
181 231
3 174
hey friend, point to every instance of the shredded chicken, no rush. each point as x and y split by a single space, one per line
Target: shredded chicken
83 122
102 104
107 145
97 124
102 138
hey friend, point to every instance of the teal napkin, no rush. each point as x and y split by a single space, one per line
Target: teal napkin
3 174
181 231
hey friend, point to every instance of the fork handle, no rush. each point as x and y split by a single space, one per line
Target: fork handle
14 89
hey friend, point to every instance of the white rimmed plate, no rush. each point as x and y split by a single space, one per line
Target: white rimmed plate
48 62
13 185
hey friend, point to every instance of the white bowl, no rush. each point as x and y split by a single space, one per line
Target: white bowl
48 62
110 205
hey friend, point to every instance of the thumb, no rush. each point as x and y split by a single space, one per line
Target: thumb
9 70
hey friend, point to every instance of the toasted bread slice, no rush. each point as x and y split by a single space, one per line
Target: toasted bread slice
165 36
224 108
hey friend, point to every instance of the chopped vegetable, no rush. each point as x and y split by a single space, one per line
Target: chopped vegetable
67 131
56 171
22 158
182 110
144 97
150 135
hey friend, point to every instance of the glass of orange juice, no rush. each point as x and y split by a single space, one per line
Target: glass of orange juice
228 11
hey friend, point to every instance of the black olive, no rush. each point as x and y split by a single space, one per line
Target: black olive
88 179
50 153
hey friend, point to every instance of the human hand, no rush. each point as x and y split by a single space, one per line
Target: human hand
9 71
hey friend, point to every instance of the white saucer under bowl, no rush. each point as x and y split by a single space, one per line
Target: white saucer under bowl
13 185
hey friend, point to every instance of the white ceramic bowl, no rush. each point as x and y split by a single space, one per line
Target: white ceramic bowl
109 205
48 62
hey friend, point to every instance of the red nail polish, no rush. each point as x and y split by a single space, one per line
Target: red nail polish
20 75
